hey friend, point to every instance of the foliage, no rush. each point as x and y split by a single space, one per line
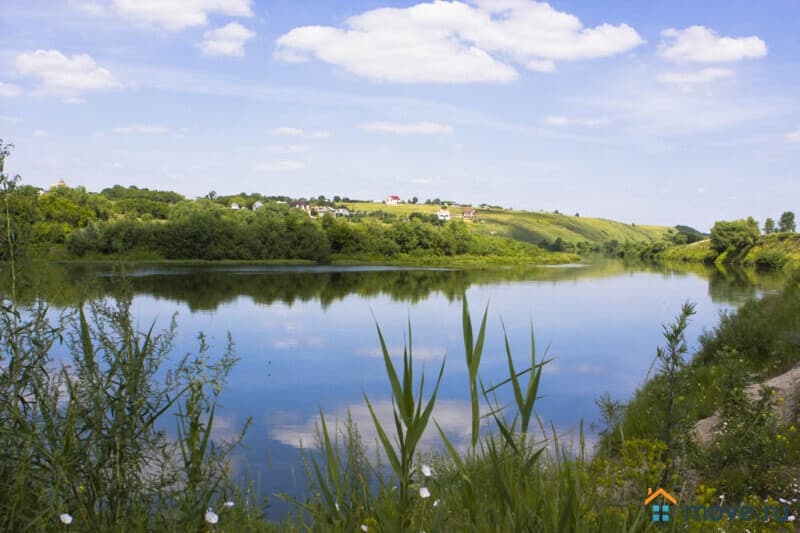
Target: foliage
786 222
735 236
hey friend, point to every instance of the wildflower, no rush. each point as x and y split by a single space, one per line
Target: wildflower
426 471
424 492
65 518
782 500
337 506
211 517
436 503
364 527
228 505
791 518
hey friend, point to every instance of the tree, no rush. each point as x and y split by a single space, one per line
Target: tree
414 200
735 235
787 221
769 226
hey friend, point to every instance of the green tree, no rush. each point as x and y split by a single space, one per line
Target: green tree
769 226
787 221
735 235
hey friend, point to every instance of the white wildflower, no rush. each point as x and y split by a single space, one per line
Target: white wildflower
65 518
791 518
426 471
424 492
337 506
364 527
228 505
436 503
782 500
211 517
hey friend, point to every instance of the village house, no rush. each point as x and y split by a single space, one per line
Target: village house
469 214
301 205
393 200
443 214
235 206
257 205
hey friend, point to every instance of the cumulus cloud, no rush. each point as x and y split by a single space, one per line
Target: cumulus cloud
228 40
285 130
61 74
455 42
793 137
413 128
562 121
145 129
170 15
698 44
280 166
9 89
706 75
288 149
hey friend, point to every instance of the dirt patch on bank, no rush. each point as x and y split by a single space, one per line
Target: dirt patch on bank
786 386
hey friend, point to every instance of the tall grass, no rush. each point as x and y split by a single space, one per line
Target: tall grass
513 474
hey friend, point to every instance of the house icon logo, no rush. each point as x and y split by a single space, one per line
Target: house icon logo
660 512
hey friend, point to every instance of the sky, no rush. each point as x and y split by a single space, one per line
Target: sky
660 112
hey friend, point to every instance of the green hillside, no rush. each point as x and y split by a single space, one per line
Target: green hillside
533 227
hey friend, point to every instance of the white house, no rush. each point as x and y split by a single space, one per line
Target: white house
342 212
443 214
235 206
257 205
393 200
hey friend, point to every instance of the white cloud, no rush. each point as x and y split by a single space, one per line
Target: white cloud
145 129
455 42
61 74
40 133
321 134
280 166
413 128
706 75
284 130
793 137
562 121
228 40
171 14
288 149
9 89
698 44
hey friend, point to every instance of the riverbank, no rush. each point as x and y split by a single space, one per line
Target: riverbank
773 251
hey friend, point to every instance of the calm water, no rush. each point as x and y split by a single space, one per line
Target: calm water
307 341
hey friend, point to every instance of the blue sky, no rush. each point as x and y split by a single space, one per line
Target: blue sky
658 112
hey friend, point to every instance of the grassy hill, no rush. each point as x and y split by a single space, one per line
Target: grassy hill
533 227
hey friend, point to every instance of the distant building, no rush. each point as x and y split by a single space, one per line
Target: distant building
443 214
301 205
60 183
393 200
469 214
342 212
235 206
257 205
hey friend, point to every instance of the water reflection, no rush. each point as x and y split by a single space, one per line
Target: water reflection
206 288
